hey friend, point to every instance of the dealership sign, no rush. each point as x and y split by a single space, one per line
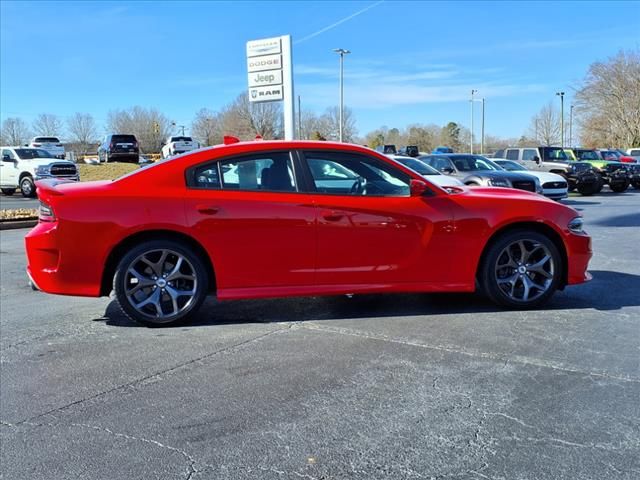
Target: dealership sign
270 75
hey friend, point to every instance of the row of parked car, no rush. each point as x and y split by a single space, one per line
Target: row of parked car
558 171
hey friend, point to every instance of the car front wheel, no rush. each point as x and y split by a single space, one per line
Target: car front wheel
521 269
160 283
27 187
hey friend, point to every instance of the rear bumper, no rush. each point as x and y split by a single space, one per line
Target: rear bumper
579 253
50 270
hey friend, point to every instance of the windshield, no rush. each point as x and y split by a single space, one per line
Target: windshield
588 155
469 163
31 153
511 166
554 153
417 166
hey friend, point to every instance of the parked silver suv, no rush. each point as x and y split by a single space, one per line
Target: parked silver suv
544 159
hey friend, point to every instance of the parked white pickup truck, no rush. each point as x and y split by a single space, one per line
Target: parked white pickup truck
178 144
22 167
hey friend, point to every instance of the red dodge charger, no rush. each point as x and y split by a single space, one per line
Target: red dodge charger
278 219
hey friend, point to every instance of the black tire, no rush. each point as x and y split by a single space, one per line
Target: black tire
27 187
587 189
600 184
8 191
636 185
488 274
144 315
619 187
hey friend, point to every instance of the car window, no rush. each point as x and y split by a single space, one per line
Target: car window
46 140
529 154
588 155
554 153
272 171
439 163
123 139
417 166
8 152
31 153
468 163
180 139
345 173
511 166
512 154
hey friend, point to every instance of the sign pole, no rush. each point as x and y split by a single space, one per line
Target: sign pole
288 100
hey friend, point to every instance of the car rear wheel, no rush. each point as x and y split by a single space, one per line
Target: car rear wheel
27 187
587 189
619 187
8 191
522 269
160 283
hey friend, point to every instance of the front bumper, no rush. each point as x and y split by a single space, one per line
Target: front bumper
579 253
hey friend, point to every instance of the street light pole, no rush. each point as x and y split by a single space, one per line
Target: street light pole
471 141
482 140
299 119
342 52
571 127
561 95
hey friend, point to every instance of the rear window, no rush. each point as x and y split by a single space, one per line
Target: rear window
181 139
46 140
123 138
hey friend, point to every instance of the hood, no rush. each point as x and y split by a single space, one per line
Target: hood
443 180
545 177
514 176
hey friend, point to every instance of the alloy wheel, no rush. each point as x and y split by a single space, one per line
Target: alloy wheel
160 284
524 270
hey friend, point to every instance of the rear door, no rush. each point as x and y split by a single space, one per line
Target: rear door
370 230
257 226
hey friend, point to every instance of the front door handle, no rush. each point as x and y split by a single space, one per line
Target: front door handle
208 209
332 215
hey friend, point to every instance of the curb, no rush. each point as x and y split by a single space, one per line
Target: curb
13 224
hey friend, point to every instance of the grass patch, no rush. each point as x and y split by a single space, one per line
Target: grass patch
19 214
104 171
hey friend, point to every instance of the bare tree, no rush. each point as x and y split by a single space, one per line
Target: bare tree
246 120
545 126
14 132
332 119
149 126
313 126
608 101
82 130
47 125
206 127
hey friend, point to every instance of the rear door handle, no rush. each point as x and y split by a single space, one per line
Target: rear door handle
332 215
208 209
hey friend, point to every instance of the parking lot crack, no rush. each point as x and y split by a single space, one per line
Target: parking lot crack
158 374
519 359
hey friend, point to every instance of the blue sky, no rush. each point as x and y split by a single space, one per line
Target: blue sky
412 62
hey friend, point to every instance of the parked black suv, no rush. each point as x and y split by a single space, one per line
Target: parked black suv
119 148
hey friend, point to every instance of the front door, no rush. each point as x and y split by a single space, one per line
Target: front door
8 169
370 230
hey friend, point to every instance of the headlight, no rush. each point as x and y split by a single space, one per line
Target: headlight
498 182
43 170
576 224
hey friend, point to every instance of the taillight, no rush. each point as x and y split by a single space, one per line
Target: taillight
58 144
37 145
112 146
45 213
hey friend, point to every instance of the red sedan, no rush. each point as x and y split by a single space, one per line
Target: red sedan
279 219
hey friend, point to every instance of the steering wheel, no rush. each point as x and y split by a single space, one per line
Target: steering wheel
359 187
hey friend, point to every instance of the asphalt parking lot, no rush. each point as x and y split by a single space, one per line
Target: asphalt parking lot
370 387
17 201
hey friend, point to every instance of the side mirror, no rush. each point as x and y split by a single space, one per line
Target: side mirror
417 187
536 159
447 170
